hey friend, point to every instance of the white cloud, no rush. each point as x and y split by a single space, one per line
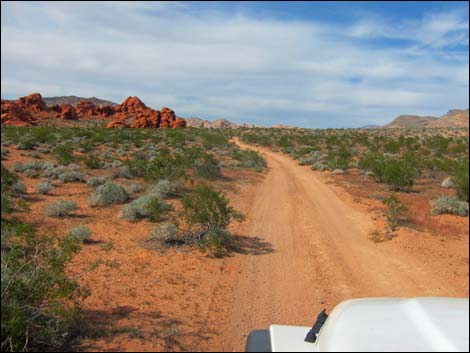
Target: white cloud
212 64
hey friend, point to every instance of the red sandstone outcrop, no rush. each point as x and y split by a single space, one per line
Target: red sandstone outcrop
68 112
32 102
86 108
14 114
131 113
135 114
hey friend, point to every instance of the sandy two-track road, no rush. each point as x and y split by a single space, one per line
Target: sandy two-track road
321 255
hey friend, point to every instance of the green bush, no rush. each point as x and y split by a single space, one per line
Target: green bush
61 208
40 303
397 174
207 167
450 205
249 159
208 210
80 232
92 161
460 179
396 211
108 194
64 154
150 206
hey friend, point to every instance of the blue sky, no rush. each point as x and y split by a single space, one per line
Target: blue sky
323 64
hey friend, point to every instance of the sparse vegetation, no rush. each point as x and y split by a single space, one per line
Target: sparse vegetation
45 187
108 194
450 205
150 206
61 208
396 212
80 232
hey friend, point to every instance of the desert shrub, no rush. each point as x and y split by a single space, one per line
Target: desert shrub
34 154
44 187
150 206
460 178
80 232
19 167
108 194
339 159
249 159
450 205
97 181
396 211
124 172
54 172
11 186
166 233
319 166
18 188
92 161
35 165
397 174
209 211
392 147
26 142
40 303
134 188
4 154
72 176
31 173
211 140
165 188
61 208
207 167
64 154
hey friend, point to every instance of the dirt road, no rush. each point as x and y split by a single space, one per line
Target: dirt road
321 255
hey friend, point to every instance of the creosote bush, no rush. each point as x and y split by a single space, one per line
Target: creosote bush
207 212
40 303
108 194
396 211
61 208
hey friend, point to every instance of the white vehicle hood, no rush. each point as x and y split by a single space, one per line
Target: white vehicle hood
384 324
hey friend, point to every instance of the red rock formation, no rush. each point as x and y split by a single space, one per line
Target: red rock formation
14 114
32 102
86 108
132 112
179 122
117 123
68 112
131 105
105 111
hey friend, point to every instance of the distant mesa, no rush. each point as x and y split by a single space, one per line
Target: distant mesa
132 113
456 118
73 100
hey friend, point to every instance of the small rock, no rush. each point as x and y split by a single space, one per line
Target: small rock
447 183
338 171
